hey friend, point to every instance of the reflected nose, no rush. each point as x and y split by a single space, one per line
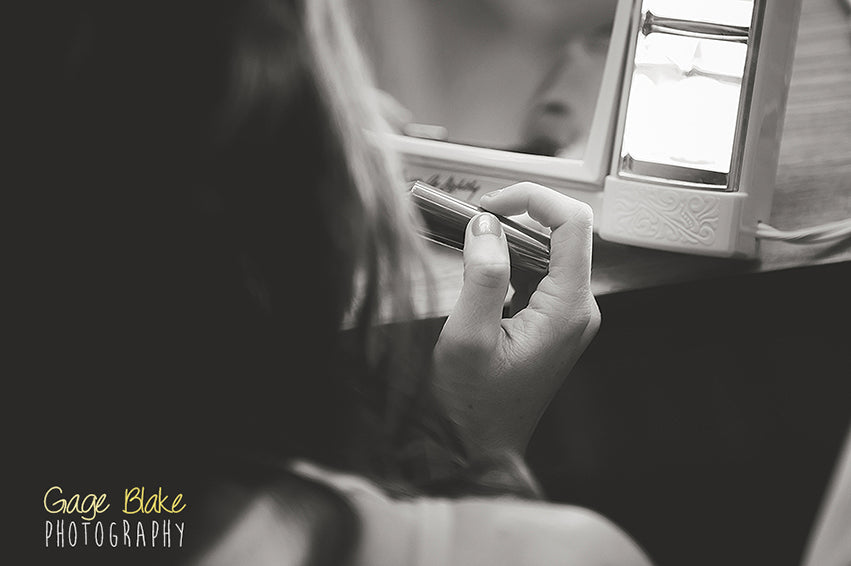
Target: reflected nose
555 108
550 128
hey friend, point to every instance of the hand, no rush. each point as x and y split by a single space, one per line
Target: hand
494 377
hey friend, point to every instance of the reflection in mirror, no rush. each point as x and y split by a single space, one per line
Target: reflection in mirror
684 100
500 74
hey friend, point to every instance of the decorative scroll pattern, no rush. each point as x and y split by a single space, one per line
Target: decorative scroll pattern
677 216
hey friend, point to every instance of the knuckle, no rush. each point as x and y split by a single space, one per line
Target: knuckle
578 216
526 186
579 210
490 275
583 214
586 318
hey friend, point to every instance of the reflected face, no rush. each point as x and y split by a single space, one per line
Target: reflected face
516 75
560 119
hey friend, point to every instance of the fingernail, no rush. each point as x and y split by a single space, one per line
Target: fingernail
492 193
486 224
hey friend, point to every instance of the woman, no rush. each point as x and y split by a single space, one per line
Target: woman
210 211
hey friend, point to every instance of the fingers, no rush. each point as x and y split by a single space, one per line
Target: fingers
569 279
475 320
571 222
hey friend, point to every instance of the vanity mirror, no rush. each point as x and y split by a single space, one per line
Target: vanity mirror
663 115
698 134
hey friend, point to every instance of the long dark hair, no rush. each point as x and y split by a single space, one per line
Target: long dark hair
214 205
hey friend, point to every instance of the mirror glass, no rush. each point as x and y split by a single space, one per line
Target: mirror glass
683 104
501 74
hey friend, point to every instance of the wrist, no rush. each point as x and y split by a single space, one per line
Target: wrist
507 470
496 473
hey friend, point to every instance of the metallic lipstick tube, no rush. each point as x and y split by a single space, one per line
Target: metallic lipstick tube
445 221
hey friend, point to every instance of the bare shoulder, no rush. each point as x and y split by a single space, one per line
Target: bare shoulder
531 533
292 521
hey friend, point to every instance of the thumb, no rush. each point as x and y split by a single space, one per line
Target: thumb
475 320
